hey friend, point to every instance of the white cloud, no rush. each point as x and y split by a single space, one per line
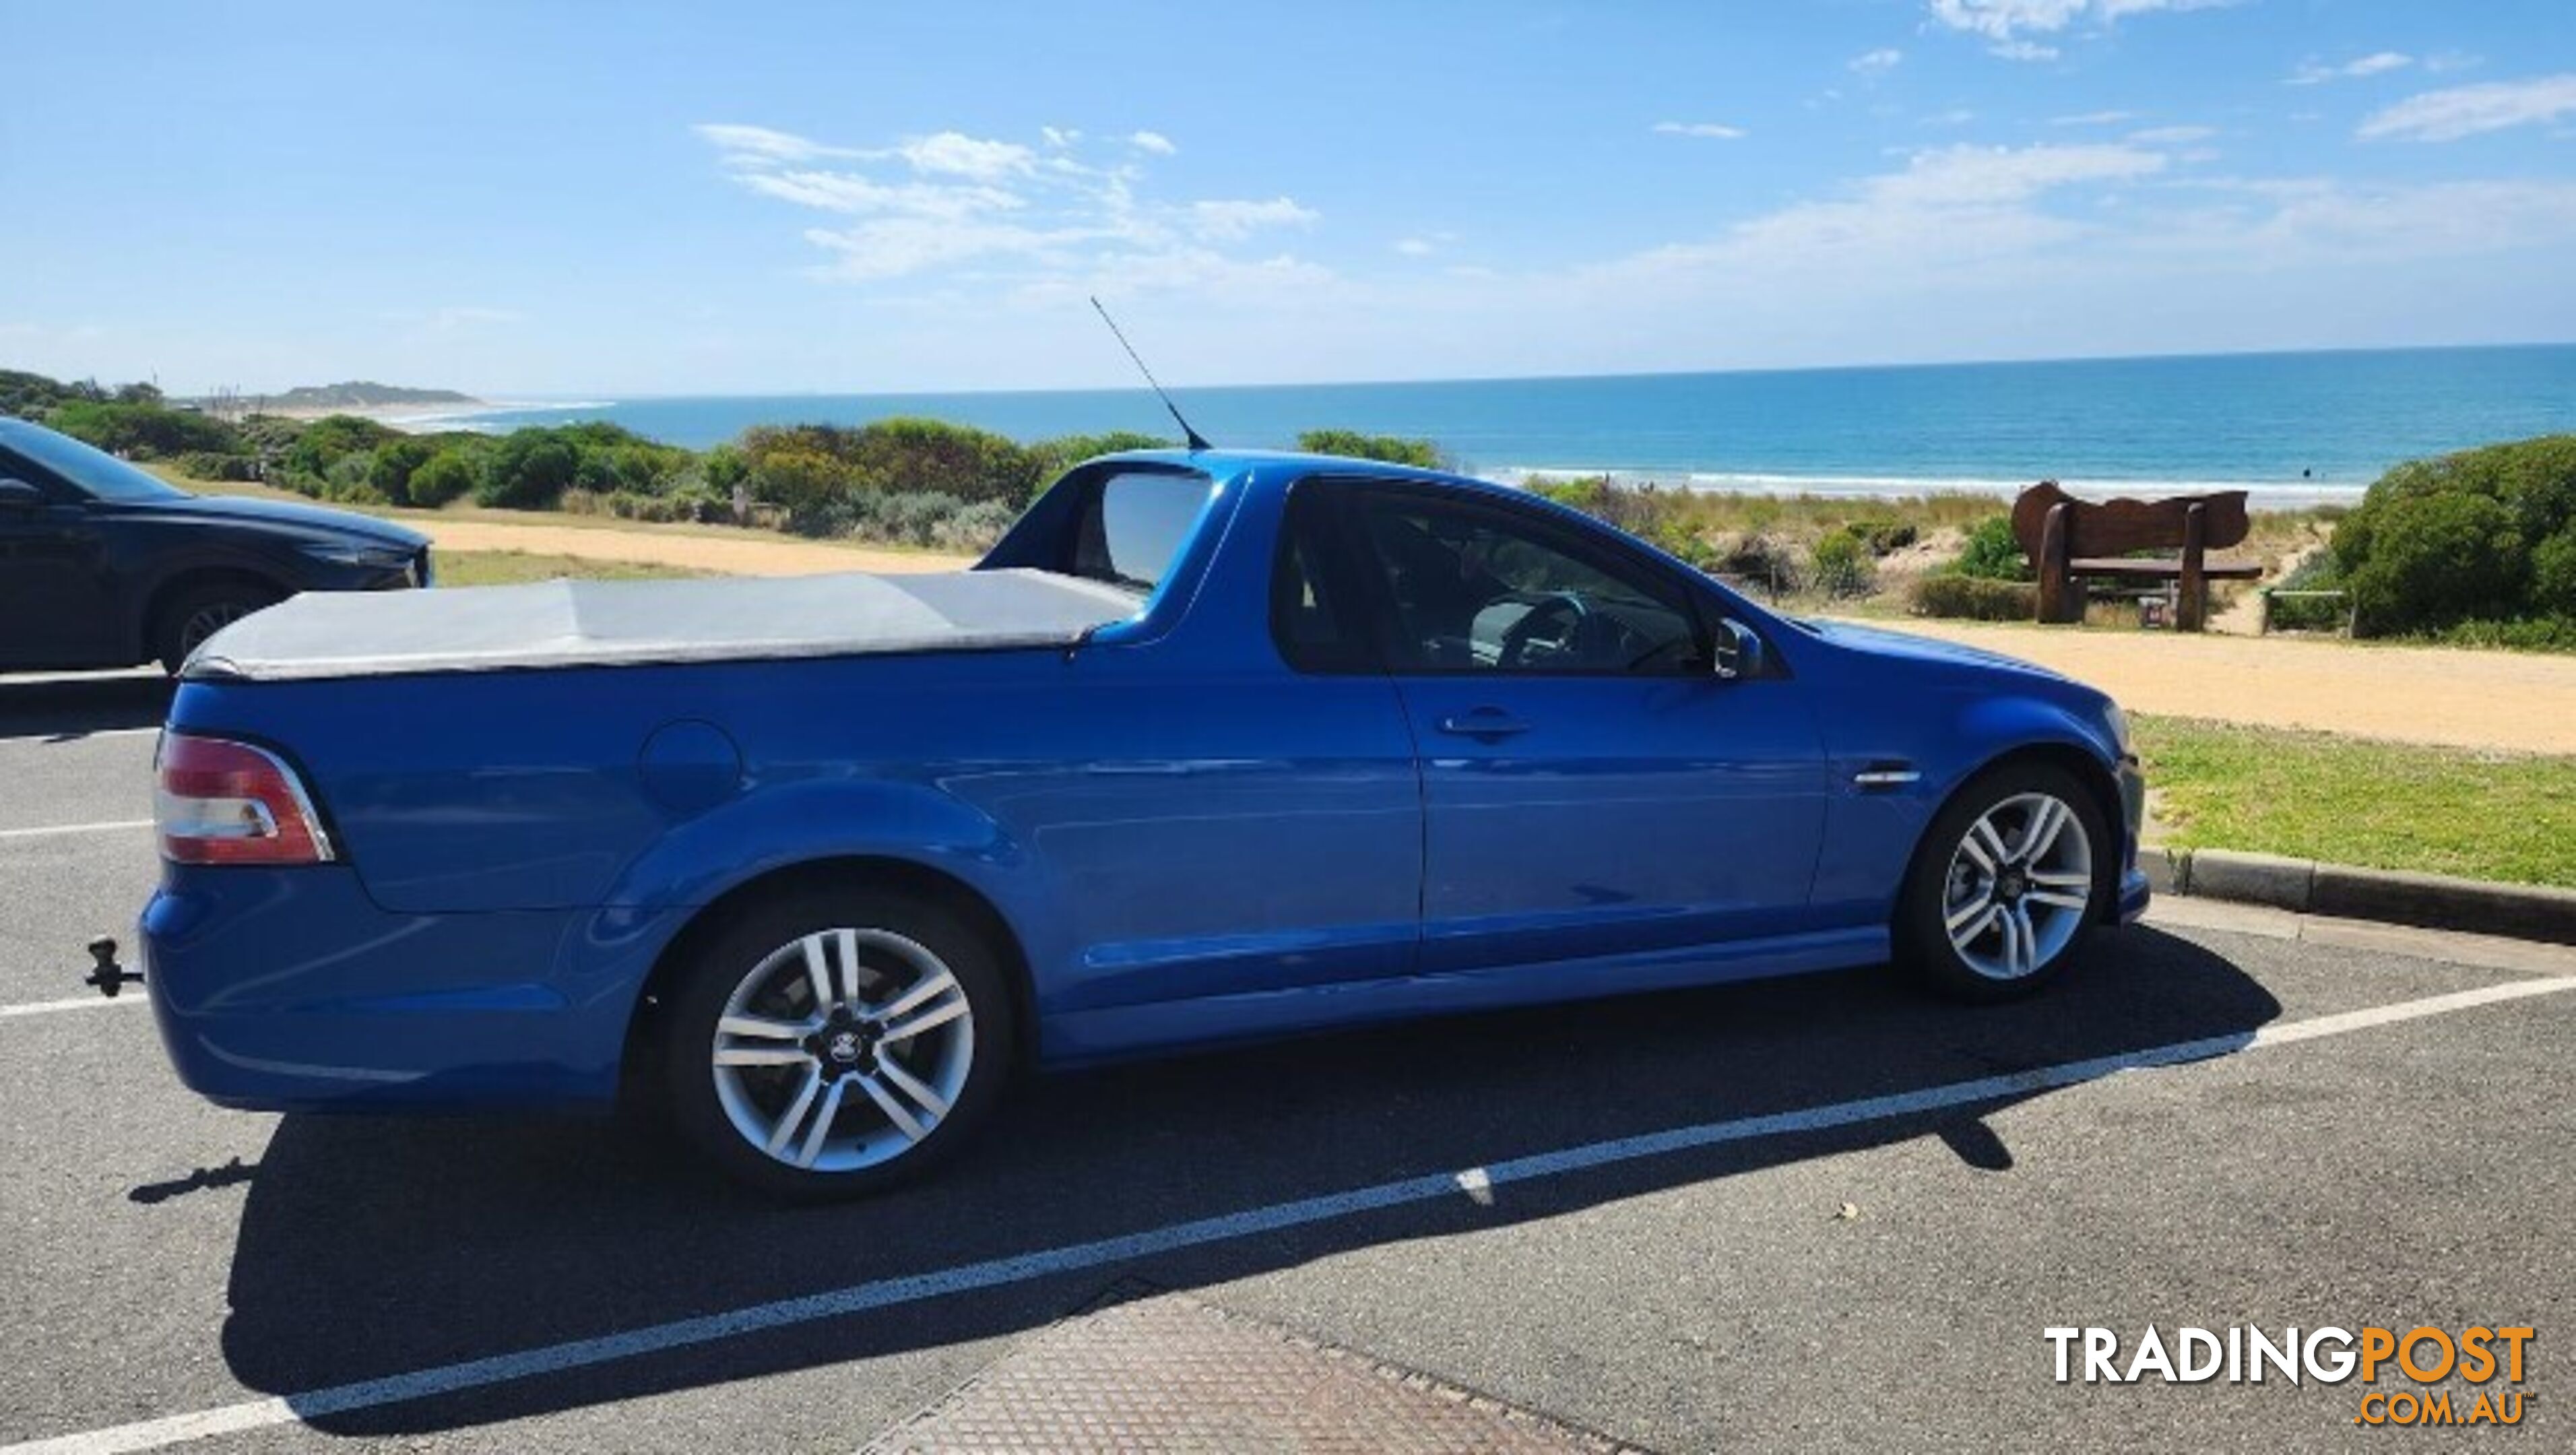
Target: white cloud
1714 131
1231 221
2156 136
1152 141
2462 111
1014 221
2442 63
953 154
2378 63
2023 50
2094 118
1876 63
751 144
1416 247
1955 116
2006 20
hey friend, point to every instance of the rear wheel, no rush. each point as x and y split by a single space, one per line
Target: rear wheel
2007 885
829 1043
199 612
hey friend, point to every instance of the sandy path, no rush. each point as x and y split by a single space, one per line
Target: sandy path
2507 700
747 556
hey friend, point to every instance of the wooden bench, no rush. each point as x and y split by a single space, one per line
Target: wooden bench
2071 541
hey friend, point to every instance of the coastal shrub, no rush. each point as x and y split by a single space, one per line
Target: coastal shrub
1975 598
2553 574
2436 560
1992 554
211 465
2535 634
892 456
1841 565
1062 453
908 517
1758 560
816 490
142 431
975 528
325 442
1394 449
444 476
394 464
2465 537
1882 535
528 470
29 396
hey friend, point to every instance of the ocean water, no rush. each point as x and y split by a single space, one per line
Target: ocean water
2293 428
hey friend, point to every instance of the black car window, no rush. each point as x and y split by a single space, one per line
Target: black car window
91 471
1311 618
1477 588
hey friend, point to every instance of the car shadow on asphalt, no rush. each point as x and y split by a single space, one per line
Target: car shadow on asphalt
59 708
372 1247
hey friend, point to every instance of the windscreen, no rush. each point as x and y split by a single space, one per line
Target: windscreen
95 471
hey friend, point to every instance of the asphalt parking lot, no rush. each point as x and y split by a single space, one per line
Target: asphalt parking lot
1815 1214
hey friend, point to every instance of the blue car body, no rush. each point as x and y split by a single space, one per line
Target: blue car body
1181 837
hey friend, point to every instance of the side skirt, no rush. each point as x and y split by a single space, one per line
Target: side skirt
1130 1030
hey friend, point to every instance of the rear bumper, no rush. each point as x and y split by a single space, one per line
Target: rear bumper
291 990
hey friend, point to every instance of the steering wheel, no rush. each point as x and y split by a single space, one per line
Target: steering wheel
1564 608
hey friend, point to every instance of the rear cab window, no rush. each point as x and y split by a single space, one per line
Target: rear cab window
1129 530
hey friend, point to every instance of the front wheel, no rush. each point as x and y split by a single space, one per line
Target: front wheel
2008 882
829 1043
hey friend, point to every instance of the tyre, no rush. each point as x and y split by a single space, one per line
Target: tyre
2007 884
830 1042
199 612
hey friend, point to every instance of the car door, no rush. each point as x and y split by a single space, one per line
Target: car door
53 604
1593 788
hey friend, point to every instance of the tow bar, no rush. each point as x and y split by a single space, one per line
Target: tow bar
106 975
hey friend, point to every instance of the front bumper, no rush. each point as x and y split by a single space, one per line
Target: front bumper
2134 892
291 990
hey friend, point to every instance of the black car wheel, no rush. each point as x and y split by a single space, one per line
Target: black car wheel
199 612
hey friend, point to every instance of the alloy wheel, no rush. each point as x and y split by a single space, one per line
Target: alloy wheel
843 1049
2019 886
207 620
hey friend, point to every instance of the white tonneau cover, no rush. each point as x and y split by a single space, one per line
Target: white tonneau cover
623 623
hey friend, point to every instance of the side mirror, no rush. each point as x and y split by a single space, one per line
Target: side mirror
19 495
1739 652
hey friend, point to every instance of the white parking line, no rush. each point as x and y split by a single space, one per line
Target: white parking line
78 1002
48 830
1475 1183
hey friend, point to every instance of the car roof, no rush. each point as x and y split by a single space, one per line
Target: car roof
1284 466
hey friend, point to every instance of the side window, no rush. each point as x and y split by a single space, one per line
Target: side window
1309 619
1476 589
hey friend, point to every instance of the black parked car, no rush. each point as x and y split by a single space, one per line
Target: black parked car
105 565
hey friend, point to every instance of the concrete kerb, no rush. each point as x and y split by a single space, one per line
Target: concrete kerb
2342 891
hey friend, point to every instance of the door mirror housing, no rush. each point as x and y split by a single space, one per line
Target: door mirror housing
16 495
1739 652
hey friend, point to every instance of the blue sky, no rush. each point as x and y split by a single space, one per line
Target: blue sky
595 199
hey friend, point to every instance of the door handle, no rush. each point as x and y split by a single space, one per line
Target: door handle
1484 722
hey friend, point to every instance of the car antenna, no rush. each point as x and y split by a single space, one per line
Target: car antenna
1196 441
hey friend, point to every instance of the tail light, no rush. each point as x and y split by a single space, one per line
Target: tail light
222 802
